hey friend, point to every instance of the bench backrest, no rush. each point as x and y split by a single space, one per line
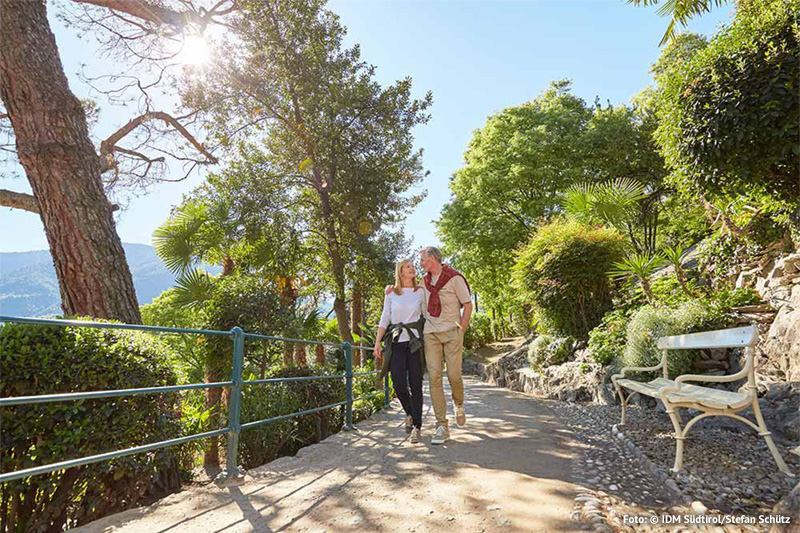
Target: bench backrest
723 338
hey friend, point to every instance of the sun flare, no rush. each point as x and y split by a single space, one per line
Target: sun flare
195 50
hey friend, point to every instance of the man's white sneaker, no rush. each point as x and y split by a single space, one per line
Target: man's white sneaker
461 416
441 435
409 424
415 436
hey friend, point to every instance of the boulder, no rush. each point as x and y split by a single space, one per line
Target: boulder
788 506
782 346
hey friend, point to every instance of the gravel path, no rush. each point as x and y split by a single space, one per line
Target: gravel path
509 470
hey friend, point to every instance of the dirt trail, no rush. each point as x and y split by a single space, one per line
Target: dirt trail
495 350
508 470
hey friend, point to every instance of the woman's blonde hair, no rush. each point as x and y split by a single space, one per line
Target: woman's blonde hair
398 283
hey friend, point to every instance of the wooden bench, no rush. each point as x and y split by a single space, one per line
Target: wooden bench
712 402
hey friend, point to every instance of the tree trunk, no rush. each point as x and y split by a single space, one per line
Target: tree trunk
357 309
288 299
300 358
63 168
288 354
319 352
214 404
337 265
356 314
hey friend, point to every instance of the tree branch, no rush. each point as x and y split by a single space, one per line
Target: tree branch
109 146
149 12
18 200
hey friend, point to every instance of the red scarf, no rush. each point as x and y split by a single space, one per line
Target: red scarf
435 303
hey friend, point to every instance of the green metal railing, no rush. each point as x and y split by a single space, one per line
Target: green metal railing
236 385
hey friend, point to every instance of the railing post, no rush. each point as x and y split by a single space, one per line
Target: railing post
348 365
386 391
234 422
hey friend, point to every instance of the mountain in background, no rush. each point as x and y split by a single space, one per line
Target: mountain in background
29 287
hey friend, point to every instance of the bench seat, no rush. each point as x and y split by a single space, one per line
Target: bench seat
708 397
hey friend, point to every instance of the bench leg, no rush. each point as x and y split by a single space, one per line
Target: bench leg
764 432
679 436
623 400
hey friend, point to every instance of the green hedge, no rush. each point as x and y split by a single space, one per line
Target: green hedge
265 443
45 360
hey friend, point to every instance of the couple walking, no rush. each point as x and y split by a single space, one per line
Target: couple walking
425 322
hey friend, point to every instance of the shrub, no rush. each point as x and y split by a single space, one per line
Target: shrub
45 360
562 272
261 445
728 118
607 341
479 333
547 351
649 323
523 321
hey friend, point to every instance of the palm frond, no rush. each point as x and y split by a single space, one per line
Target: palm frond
674 255
641 265
174 240
194 288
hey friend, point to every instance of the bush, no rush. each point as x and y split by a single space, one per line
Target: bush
45 360
562 272
607 341
547 351
728 118
479 333
649 323
261 445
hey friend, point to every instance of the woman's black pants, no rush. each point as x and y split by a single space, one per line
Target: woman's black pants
406 368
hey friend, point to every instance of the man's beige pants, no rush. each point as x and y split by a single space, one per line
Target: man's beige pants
441 347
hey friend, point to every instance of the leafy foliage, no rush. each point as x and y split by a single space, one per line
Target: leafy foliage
546 351
46 360
263 444
517 168
562 272
679 12
641 266
730 117
479 333
607 340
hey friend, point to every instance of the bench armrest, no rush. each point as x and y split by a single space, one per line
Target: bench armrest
745 372
622 372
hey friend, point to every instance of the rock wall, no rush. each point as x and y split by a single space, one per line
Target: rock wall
777 280
581 380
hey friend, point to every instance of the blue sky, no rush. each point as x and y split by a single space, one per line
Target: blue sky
477 57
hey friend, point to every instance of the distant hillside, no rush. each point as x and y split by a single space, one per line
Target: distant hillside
28 284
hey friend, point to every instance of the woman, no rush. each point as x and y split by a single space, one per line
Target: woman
400 332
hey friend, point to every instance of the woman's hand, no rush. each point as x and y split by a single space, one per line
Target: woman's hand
378 352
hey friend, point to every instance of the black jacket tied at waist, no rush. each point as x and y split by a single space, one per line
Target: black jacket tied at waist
392 334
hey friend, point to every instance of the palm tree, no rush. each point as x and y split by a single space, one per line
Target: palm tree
184 242
679 12
641 266
620 203
674 255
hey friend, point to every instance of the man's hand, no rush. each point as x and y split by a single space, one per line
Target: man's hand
389 289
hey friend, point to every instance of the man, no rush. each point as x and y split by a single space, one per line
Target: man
447 310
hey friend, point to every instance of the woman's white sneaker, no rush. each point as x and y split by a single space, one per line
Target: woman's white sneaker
409 424
415 436
441 435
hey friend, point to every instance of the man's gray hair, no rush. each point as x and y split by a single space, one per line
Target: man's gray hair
432 251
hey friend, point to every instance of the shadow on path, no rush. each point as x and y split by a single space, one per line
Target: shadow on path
509 469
